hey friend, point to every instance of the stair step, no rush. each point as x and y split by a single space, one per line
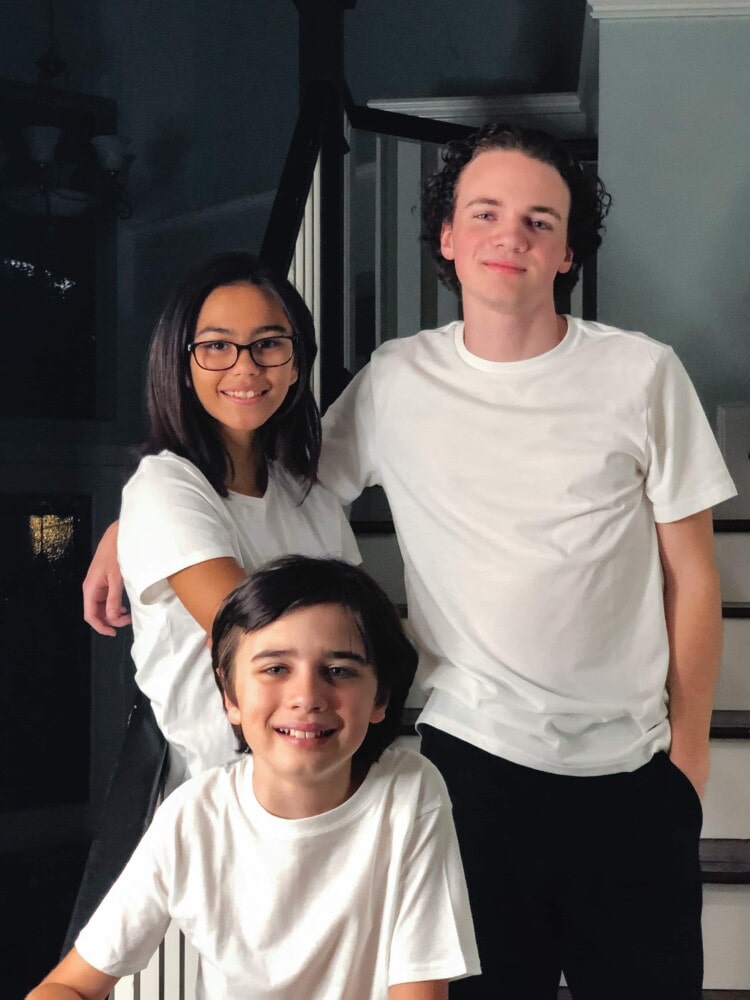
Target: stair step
733 560
565 994
730 725
733 691
735 609
726 862
726 804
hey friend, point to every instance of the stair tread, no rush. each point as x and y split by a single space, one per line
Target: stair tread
735 609
725 861
731 525
565 994
730 724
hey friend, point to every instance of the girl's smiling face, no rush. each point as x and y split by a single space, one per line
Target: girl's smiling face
241 398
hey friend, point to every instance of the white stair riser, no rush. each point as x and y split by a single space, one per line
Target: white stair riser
733 559
733 691
726 805
726 936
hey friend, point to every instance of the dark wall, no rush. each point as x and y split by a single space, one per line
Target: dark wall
207 89
441 48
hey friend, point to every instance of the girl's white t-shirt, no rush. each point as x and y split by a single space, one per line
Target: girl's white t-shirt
172 518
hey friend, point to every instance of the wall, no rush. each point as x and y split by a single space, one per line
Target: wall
207 89
674 140
439 48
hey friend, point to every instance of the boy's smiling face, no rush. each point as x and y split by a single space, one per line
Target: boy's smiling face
304 694
508 234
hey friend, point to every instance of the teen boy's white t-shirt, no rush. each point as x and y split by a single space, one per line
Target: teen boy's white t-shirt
525 496
334 907
172 518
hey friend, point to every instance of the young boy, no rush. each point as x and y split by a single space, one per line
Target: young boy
322 866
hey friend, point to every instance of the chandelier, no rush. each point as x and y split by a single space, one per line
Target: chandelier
54 160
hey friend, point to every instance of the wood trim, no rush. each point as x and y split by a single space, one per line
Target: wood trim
560 112
728 525
725 862
735 609
639 9
728 724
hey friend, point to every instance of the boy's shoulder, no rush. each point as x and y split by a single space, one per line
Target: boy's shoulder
418 347
208 796
412 776
587 330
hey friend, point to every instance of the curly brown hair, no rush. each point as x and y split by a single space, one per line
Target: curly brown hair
589 199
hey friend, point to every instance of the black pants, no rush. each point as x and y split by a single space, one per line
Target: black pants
598 877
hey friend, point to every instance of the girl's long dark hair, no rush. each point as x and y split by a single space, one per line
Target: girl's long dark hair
178 422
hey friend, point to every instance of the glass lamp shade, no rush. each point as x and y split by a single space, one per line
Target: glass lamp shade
41 141
111 151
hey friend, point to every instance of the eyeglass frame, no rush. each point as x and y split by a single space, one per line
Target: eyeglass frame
242 347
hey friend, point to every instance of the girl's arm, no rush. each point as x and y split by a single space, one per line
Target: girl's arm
201 588
74 979
435 989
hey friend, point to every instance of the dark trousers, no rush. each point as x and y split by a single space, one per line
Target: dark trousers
598 877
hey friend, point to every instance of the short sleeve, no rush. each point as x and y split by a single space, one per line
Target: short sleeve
433 935
130 922
686 472
171 518
348 462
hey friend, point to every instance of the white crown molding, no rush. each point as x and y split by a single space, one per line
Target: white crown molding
561 112
637 9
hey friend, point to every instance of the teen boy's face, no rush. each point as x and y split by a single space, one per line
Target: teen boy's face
508 235
304 695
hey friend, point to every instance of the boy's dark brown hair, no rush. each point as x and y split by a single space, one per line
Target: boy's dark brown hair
589 200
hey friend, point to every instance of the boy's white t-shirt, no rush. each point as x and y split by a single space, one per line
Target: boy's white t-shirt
172 518
333 907
525 497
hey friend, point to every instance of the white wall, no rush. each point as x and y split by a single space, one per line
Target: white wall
674 142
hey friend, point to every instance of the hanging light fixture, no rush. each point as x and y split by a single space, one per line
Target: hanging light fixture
56 172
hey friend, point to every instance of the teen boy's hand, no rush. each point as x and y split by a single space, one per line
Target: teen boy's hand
102 589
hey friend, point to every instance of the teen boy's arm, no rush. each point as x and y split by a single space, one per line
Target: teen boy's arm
74 979
692 604
437 989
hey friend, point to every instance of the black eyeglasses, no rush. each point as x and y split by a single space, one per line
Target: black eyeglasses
219 355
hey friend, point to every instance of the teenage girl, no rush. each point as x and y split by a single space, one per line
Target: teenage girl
227 480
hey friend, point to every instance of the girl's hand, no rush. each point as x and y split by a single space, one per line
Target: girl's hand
103 588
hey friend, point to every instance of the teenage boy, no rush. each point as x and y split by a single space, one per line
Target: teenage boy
324 866
551 483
